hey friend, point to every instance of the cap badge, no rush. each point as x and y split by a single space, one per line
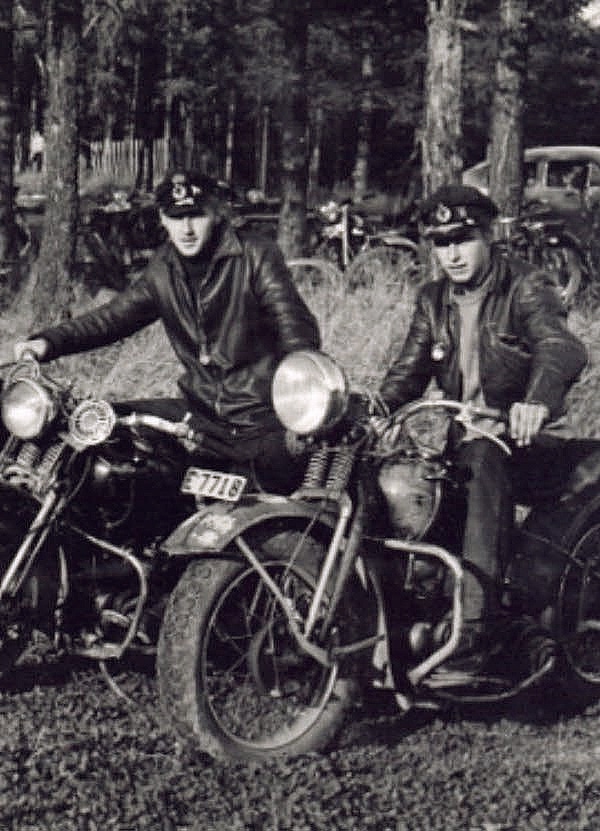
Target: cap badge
443 214
183 193
438 351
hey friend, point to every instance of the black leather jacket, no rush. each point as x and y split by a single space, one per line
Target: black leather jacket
526 353
247 315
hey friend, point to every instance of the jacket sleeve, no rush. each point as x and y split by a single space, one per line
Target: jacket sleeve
122 316
285 312
411 371
557 355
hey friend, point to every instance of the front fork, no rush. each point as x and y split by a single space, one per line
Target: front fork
18 570
338 564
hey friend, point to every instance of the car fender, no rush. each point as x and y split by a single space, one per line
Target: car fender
212 528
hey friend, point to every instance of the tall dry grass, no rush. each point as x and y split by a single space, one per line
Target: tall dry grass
361 328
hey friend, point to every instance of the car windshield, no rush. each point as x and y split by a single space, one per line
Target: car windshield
572 173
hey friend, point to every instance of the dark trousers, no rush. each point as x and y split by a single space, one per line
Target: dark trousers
264 451
551 469
486 472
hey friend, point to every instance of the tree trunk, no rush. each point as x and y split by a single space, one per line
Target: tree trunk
263 168
8 240
360 174
506 135
315 156
294 153
442 134
53 285
229 136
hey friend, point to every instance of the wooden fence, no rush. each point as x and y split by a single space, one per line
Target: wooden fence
120 160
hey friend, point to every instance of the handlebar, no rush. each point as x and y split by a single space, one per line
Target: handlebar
464 413
179 429
467 411
191 439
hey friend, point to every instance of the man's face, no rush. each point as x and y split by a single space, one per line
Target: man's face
464 254
189 234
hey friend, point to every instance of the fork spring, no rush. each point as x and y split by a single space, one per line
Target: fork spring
316 468
28 455
340 469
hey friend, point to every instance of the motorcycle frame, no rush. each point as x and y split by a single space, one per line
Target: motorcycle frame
338 511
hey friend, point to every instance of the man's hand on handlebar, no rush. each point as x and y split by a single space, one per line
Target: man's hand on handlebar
37 347
525 421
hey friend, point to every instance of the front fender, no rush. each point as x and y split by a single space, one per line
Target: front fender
214 526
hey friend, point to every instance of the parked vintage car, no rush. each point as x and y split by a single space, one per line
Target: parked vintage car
559 177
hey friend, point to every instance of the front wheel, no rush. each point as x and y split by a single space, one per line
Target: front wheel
312 272
230 671
384 264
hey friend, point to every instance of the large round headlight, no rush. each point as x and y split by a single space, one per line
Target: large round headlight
310 392
26 408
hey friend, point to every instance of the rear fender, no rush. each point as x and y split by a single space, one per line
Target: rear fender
213 527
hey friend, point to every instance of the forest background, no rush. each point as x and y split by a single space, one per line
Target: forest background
301 97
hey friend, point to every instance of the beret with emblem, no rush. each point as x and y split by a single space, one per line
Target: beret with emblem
186 193
452 207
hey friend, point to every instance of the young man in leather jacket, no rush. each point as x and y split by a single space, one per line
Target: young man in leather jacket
491 331
230 309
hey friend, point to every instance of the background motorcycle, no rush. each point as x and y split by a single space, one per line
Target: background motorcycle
300 603
344 233
544 239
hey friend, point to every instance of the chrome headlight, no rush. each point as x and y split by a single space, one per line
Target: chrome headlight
310 392
27 408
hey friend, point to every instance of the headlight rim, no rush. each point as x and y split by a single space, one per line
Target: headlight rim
333 383
43 414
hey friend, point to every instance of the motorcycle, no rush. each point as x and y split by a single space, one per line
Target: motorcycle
269 615
88 494
294 607
344 234
544 239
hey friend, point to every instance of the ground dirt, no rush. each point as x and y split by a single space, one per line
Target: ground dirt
76 757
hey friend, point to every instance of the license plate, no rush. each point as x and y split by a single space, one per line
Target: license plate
213 483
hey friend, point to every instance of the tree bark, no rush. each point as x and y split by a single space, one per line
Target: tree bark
442 133
294 151
506 135
315 155
8 239
360 174
230 135
53 285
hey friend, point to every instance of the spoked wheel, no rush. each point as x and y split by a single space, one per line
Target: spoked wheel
387 264
230 669
312 272
563 264
578 619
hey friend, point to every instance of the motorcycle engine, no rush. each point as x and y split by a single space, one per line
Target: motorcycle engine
412 491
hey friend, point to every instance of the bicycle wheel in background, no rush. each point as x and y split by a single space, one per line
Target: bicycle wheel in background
383 263
311 271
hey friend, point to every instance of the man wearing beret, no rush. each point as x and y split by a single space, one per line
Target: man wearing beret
491 332
231 312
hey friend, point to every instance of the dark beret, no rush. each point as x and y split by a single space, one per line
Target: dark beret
186 192
451 207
